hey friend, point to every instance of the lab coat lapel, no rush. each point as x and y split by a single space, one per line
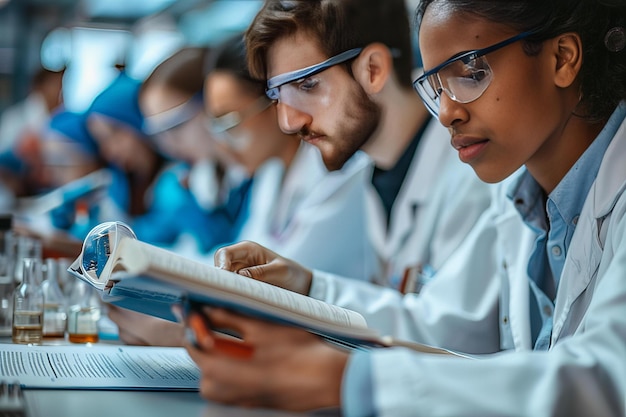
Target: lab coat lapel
585 252
414 193
516 252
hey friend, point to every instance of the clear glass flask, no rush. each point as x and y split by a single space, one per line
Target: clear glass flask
28 304
83 314
25 247
55 304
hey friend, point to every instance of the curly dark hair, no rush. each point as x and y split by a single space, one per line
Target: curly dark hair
603 74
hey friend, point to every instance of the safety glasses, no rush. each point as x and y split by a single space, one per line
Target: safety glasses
274 84
172 118
220 127
464 77
221 124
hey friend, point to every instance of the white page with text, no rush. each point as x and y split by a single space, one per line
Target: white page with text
99 367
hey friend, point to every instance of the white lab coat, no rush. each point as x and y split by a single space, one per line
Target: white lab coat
313 216
479 303
437 205
28 116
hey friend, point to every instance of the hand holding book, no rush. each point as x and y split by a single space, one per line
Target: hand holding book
148 279
255 261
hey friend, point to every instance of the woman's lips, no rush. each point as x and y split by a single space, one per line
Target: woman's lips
469 148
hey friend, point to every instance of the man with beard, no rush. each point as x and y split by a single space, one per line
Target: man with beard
340 73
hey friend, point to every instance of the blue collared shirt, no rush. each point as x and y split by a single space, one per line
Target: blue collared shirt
554 219
563 206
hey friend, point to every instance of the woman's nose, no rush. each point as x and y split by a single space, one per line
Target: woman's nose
451 112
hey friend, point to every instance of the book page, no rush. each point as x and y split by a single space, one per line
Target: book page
137 255
101 367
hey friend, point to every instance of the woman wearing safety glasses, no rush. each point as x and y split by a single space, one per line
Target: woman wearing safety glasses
534 95
195 206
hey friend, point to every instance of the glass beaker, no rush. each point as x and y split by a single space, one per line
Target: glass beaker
83 313
28 304
55 304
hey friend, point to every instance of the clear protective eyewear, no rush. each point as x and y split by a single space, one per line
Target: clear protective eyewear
172 118
220 126
98 245
464 77
290 85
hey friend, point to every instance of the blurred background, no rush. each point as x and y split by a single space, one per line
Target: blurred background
90 37
66 110
82 142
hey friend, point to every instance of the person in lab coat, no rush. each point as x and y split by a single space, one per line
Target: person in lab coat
297 207
21 126
294 205
192 203
422 200
25 119
534 96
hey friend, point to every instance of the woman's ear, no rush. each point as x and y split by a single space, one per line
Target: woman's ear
373 68
568 51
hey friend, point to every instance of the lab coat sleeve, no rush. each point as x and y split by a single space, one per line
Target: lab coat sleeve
458 310
341 216
327 227
582 376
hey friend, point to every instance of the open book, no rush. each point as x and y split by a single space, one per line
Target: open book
148 279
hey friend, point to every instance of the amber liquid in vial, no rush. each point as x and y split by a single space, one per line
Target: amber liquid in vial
28 327
82 324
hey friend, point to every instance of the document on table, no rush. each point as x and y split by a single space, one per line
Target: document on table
106 367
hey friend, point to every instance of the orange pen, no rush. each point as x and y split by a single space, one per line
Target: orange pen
222 343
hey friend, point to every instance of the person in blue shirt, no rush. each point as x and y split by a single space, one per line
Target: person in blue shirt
68 151
194 204
69 154
78 184
115 122
534 96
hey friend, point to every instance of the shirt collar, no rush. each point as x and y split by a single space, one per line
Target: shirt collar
571 192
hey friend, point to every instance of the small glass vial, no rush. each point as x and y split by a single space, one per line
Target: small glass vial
83 314
55 305
28 304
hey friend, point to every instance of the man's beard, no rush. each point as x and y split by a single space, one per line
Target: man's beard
359 122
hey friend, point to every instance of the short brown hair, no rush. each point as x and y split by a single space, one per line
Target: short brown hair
336 25
183 71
